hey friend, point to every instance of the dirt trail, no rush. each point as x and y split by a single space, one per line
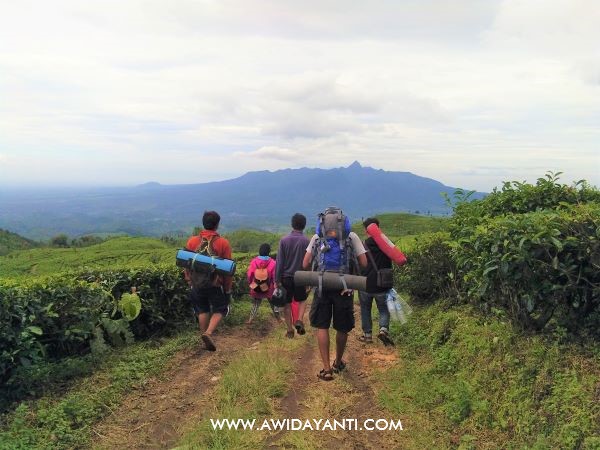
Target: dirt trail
349 396
152 417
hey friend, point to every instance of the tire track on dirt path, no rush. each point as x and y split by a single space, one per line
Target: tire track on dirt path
153 416
351 395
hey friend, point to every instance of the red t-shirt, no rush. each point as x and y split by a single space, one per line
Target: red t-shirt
221 248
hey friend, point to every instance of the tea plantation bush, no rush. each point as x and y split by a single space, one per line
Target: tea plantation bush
537 265
49 318
431 271
533 250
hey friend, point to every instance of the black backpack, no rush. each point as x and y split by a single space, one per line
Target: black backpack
385 277
204 276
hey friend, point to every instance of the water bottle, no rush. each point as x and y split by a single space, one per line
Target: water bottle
398 308
391 304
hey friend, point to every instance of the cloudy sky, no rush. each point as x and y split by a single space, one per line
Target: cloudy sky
469 92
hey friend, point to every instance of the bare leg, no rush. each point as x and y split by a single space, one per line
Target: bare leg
287 313
301 309
214 321
340 345
203 319
323 340
255 305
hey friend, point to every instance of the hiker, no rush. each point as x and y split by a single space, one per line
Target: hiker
337 249
211 292
289 260
377 288
261 276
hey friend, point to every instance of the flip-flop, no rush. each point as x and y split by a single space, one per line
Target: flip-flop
208 343
325 375
290 334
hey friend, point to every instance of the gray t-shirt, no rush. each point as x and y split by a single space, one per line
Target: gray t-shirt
357 245
290 254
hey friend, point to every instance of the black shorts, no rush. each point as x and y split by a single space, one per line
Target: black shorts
331 304
207 300
292 291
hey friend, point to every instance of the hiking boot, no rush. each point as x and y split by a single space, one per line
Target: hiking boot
384 337
300 327
208 343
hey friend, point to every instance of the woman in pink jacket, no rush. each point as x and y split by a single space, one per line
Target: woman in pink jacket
261 274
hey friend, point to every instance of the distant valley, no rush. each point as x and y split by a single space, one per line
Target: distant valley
262 200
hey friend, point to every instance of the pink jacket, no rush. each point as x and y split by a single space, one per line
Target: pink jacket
260 263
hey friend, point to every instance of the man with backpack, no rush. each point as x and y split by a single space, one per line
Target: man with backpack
289 260
211 292
377 288
334 248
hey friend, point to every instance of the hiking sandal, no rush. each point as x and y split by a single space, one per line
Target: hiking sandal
300 327
365 339
290 334
325 375
208 343
339 367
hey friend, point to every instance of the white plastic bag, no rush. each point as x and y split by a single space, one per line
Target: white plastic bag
398 307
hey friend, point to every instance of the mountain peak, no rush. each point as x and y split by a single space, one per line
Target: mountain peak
355 165
149 184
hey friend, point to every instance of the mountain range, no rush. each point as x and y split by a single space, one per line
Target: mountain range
263 200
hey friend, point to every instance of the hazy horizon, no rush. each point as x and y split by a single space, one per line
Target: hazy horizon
563 178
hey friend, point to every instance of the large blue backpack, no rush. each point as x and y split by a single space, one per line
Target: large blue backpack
333 248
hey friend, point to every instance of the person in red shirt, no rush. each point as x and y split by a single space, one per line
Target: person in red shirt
209 294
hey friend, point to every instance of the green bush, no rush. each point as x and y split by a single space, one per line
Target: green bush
162 290
533 250
519 197
69 314
46 318
537 265
430 271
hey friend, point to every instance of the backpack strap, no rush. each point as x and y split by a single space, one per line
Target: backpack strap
317 259
212 262
372 260
349 250
209 249
340 231
209 246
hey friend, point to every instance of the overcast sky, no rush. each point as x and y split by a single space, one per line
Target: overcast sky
468 92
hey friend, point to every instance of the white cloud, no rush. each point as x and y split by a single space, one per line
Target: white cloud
443 90
560 28
274 153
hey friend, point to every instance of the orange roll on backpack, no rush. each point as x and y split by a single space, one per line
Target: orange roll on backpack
385 245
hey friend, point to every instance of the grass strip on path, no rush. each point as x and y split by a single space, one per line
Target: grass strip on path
248 389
